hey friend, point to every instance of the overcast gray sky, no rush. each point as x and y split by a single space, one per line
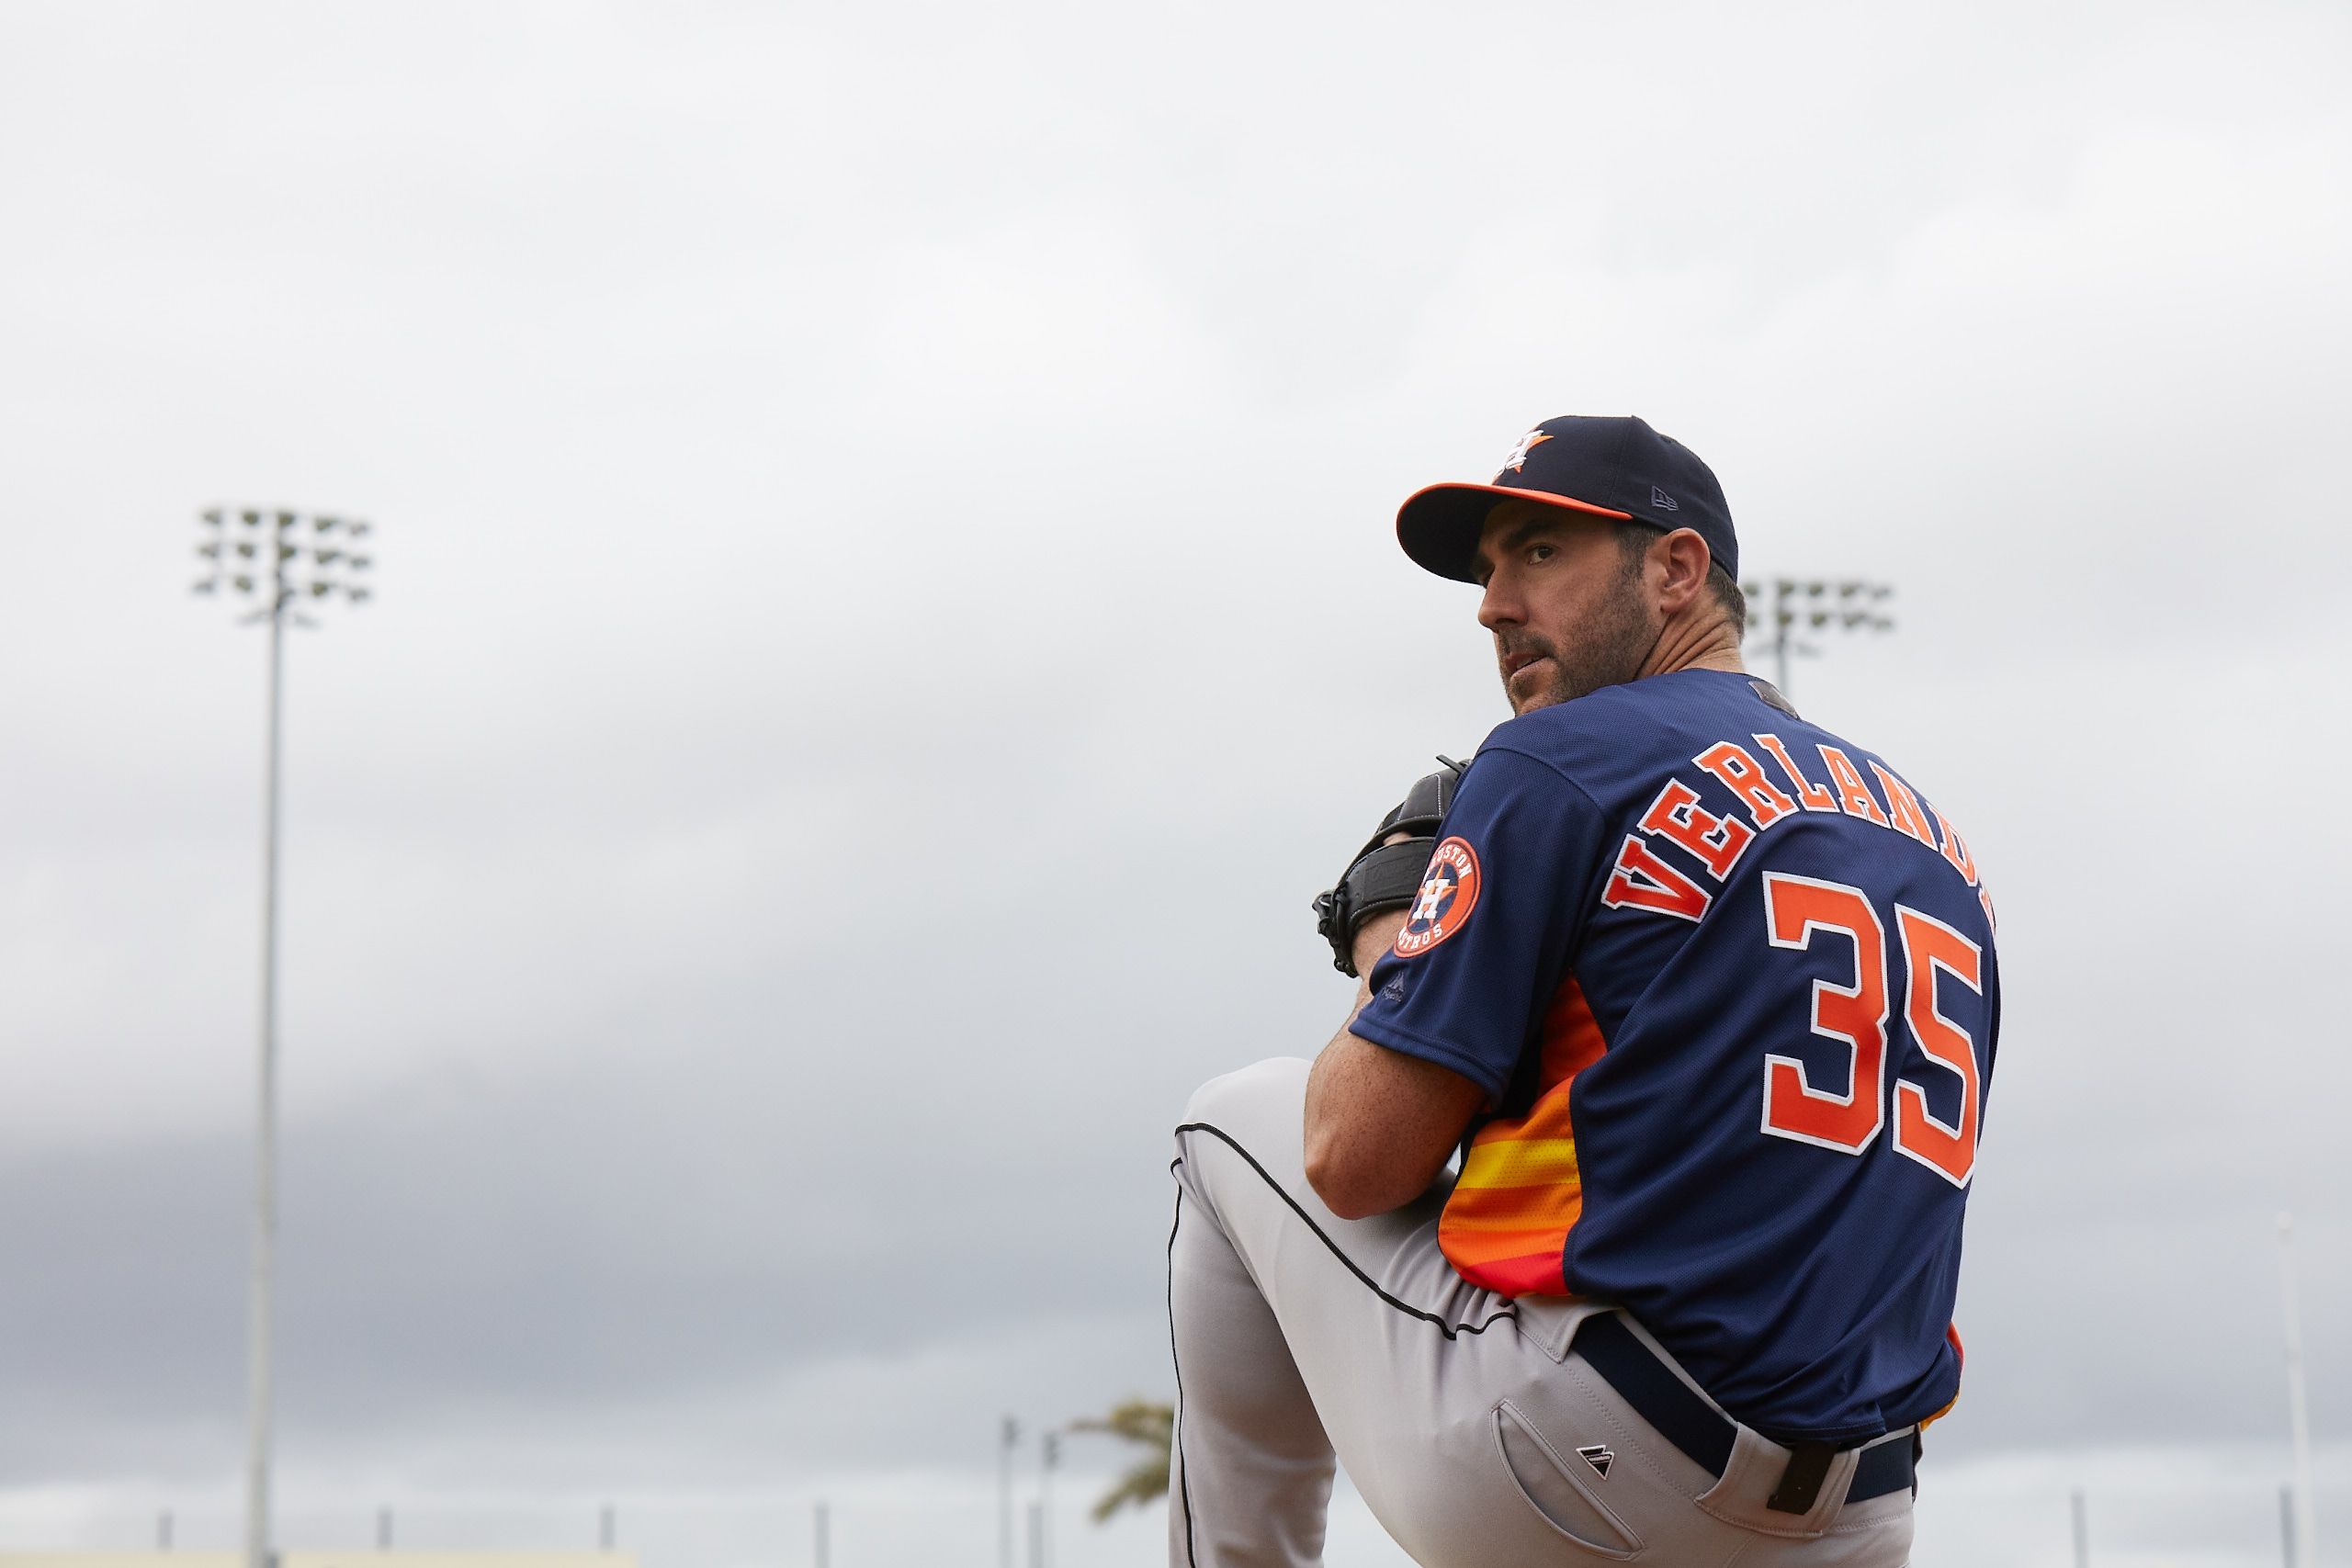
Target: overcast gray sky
887 611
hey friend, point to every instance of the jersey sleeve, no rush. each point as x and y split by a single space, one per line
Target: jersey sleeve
1496 923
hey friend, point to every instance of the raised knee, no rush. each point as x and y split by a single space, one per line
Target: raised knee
1246 1095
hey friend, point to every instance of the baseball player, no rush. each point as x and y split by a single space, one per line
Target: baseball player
1703 997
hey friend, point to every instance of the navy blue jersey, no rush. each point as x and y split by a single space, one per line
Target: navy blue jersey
1728 983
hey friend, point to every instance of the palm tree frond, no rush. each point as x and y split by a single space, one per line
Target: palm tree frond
1152 1427
1146 1484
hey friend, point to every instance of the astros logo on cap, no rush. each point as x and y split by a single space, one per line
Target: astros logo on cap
1527 443
1448 891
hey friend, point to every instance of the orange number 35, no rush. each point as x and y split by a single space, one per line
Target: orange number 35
1799 908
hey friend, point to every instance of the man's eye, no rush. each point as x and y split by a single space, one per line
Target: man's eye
1538 553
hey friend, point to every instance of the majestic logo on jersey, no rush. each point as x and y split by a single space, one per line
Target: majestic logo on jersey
1598 1456
1527 443
1449 892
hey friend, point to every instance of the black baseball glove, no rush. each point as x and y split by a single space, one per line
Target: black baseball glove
1383 875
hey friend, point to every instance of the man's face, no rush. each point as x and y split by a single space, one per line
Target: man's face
1566 604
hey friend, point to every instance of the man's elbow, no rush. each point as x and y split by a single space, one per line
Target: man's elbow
1352 1186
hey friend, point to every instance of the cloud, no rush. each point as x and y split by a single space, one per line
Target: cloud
887 616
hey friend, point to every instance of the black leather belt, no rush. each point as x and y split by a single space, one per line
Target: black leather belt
1704 1433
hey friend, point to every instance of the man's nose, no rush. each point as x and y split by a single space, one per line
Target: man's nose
1499 605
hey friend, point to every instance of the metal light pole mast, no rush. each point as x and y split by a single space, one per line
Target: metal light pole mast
1009 1435
2298 1414
1050 1458
266 557
1778 606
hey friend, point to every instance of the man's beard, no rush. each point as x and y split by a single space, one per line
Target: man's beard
1609 650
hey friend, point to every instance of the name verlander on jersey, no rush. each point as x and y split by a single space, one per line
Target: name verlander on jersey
1641 879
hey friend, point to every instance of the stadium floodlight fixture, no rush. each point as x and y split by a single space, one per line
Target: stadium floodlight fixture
297 572
1779 606
298 567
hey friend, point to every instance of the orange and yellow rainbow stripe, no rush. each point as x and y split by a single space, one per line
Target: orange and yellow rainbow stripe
1519 1192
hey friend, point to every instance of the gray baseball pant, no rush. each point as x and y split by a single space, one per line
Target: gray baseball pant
1459 1413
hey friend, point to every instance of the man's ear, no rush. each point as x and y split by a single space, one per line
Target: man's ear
1684 559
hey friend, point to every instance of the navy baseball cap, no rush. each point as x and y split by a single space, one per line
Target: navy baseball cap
1618 469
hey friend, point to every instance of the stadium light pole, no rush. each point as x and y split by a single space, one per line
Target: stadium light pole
1009 1436
2305 1518
276 560
1049 1459
1778 607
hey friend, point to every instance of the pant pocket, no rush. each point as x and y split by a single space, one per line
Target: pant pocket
1743 1496
1544 1477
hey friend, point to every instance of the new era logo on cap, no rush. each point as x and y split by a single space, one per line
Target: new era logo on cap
1660 497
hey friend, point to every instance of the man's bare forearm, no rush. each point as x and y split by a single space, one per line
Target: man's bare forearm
1379 1124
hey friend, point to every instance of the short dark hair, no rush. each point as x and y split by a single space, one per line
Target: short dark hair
1635 539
